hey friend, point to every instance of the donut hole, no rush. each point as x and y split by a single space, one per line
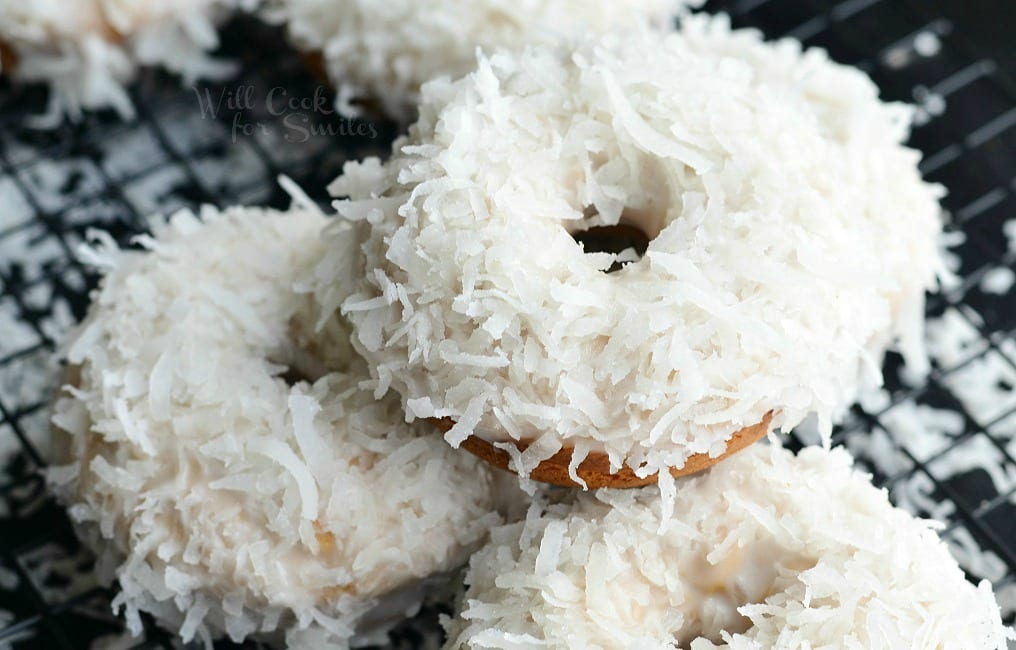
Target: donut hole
307 355
293 376
715 591
297 366
626 241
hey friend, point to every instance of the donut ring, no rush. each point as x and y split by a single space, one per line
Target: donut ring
766 180
384 52
767 550
87 51
227 494
595 471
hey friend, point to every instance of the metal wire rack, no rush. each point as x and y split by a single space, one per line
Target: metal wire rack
111 174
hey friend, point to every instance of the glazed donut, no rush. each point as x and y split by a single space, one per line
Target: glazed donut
229 471
766 181
766 550
86 51
384 51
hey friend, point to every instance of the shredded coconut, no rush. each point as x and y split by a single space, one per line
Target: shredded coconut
225 498
998 281
769 179
88 50
387 50
765 550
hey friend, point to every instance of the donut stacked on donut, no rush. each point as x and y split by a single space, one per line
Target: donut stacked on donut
224 462
790 240
384 51
88 50
765 551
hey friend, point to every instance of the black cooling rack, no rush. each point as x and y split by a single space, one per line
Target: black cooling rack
106 173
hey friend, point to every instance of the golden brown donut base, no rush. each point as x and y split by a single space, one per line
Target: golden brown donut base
7 59
595 469
315 64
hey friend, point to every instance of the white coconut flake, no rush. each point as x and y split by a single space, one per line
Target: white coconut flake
1009 230
224 499
284 456
466 423
769 179
765 550
998 281
313 448
927 44
550 548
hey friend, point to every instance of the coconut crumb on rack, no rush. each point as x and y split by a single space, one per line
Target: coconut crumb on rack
998 281
766 550
223 459
766 179
953 338
10 642
384 51
87 51
1009 230
953 450
986 385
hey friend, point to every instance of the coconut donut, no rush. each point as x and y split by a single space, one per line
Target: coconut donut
227 467
384 51
766 182
766 550
86 51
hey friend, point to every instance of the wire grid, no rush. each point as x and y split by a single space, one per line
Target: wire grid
111 174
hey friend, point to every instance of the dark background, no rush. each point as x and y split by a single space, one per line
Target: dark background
988 25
